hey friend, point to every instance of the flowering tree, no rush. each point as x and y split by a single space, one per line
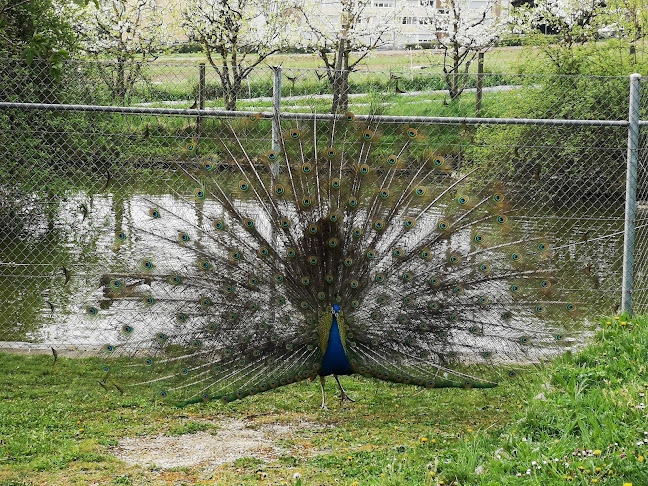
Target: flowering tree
342 42
238 35
124 34
462 32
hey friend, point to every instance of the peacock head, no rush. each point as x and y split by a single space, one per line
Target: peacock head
336 308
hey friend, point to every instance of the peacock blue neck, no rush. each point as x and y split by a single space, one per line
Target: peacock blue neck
335 361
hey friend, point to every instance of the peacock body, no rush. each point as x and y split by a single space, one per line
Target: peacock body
329 256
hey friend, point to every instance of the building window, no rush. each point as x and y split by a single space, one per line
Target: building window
383 3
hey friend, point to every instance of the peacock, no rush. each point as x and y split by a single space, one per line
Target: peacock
353 247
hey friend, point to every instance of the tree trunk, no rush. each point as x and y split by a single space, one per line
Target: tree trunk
340 92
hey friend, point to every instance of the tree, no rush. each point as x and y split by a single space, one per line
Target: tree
123 34
238 35
462 32
346 41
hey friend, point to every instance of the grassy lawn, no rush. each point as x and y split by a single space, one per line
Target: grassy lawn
578 420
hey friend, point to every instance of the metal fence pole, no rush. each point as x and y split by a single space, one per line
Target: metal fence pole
201 99
276 108
480 84
631 195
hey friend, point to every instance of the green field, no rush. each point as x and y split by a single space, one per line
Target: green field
579 420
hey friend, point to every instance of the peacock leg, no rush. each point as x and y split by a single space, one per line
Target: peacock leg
322 381
343 394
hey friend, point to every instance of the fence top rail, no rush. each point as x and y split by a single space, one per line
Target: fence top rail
431 120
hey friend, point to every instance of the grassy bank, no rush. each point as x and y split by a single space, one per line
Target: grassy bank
579 420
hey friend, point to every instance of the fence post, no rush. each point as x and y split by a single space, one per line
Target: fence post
276 108
201 99
480 83
631 195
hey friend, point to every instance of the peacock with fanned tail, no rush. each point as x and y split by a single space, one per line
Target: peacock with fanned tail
327 257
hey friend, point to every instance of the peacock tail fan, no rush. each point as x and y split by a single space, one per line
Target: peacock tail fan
233 282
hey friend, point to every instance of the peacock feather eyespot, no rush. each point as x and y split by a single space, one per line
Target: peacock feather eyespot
381 299
545 284
313 229
406 276
498 197
412 132
213 327
229 289
200 193
263 325
474 330
433 306
121 236
423 326
370 254
305 281
438 161
434 281
126 329
364 169
306 202
515 288
263 251
463 200
183 237
253 307
455 259
289 346
148 362
279 278
335 183
501 219
154 213
443 225
204 265
559 337
516 257
512 374
244 185
280 300
384 193
205 302
507 316
348 262
392 160
116 284
219 225
253 281
208 166
349 116
524 340
355 304
163 394
235 256
307 168
149 301
272 155
161 336
291 253
367 135
279 190
334 217
321 295
540 309
352 201
570 307
181 317
379 225
184 371
487 354
483 300
479 238
329 279
410 223
294 133
408 299
175 280
485 268
333 242
313 260
354 284
379 278
420 190
331 152
248 223
425 253
357 232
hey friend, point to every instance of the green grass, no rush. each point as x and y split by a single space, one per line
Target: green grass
56 425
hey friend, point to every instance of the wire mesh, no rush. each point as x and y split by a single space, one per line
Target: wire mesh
72 180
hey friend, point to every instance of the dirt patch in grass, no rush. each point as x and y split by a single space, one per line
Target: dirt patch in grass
233 440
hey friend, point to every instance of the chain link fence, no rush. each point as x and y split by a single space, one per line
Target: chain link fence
79 153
